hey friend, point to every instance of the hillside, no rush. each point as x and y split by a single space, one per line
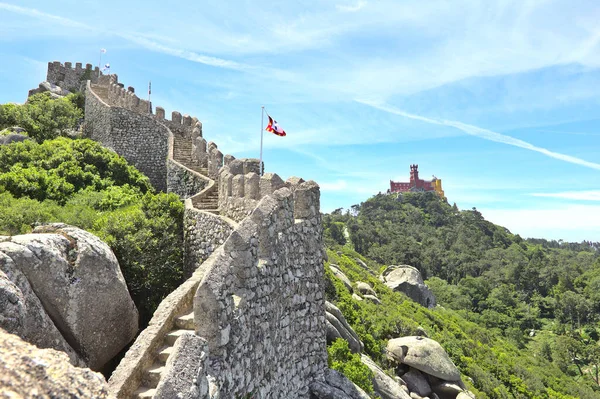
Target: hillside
517 316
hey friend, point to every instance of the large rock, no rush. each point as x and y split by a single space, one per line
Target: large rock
22 313
423 354
336 386
383 384
365 289
54 90
417 383
30 372
341 276
14 134
407 279
335 319
364 266
78 280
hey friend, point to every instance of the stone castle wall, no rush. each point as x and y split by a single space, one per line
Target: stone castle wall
260 302
69 78
138 138
203 233
260 305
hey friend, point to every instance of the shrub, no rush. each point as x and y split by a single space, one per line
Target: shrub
349 364
43 117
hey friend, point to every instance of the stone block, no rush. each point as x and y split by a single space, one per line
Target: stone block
196 132
187 120
215 161
252 165
236 167
293 182
176 117
252 186
226 181
237 186
269 183
185 374
201 155
227 159
306 200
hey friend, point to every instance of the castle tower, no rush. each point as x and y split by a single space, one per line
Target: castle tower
414 175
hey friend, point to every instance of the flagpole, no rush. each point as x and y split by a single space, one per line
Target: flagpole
149 93
262 116
99 63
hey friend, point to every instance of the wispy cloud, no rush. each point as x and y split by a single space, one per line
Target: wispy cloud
483 133
32 12
141 40
592 195
185 54
351 7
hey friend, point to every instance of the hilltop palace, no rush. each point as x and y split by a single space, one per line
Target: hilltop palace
416 184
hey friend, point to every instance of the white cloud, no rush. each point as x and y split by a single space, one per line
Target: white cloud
592 195
351 7
139 39
572 223
484 134
34 13
185 54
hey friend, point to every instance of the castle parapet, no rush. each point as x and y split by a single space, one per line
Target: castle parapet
241 188
118 96
69 78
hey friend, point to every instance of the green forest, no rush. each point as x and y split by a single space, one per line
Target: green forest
518 317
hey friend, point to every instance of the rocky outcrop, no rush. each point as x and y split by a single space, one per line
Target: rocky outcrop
383 384
408 280
336 386
417 383
337 272
426 369
54 90
22 313
77 280
338 327
13 134
29 372
365 289
423 354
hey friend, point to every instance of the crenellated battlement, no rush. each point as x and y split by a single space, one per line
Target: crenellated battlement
252 246
118 96
69 78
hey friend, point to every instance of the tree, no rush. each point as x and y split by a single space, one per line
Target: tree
43 117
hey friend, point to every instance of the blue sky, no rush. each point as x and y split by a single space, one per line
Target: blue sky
499 99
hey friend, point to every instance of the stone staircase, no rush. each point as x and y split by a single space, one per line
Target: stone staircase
101 91
153 375
182 153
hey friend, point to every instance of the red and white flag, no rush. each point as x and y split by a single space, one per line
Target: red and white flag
274 127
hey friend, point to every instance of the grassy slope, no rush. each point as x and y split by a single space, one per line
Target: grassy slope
491 366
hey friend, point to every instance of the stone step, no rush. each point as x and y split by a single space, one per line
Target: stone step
152 377
186 321
144 393
172 336
164 354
